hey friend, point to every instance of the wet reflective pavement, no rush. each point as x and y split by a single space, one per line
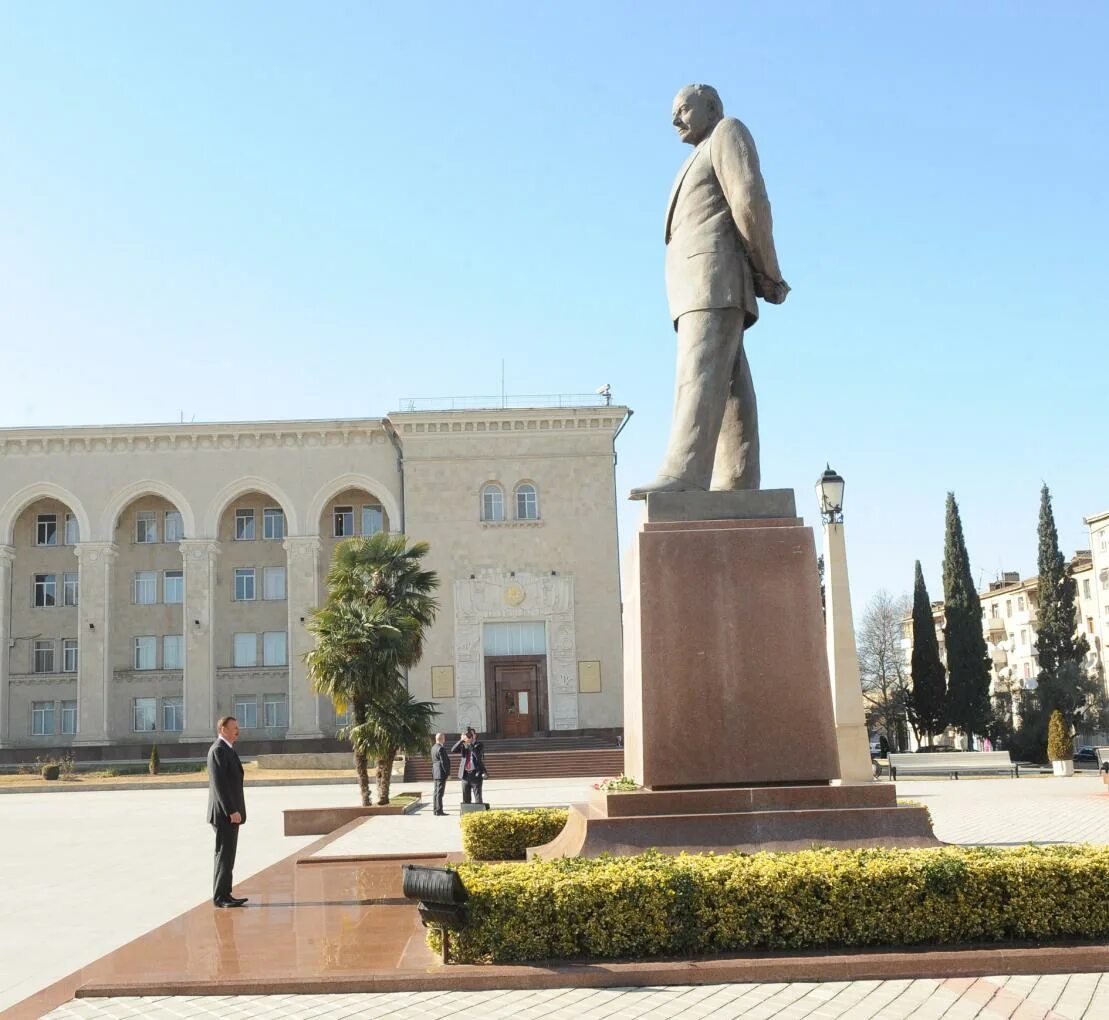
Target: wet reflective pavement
311 923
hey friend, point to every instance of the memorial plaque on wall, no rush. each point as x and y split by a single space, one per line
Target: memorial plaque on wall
589 677
442 681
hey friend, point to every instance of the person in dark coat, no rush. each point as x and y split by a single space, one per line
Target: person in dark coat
440 772
226 808
471 767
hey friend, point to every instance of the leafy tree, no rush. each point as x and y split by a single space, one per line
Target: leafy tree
371 630
968 667
885 682
927 670
395 722
1056 612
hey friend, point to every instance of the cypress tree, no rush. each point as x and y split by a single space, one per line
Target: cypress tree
968 668
1056 614
929 676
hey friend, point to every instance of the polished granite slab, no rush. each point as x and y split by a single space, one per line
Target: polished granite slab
395 836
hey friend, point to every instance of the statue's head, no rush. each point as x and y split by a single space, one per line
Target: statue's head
697 110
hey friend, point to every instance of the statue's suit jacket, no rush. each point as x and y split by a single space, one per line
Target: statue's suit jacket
719 231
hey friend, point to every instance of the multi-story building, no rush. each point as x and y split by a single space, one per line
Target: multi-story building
154 578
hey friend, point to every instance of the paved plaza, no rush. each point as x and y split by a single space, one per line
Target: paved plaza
90 871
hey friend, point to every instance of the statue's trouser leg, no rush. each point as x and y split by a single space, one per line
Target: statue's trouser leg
737 449
708 343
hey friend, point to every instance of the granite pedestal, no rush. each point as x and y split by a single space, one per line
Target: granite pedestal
728 718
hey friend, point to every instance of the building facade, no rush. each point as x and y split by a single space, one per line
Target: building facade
155 578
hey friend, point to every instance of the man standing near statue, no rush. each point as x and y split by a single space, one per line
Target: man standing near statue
720 257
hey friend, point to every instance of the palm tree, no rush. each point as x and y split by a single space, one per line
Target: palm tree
395 721
371 628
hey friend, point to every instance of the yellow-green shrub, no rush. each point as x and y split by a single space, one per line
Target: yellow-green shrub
506 835
1059 746
658 905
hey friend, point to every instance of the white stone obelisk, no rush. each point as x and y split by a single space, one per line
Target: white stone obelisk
843 662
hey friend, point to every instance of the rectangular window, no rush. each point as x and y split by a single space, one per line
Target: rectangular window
1089 624
145 715
175 527
44 658
373 520
42 718
993 611
69 717
146 588
173 715
275 713
246 712
1020 603
244 525
45 593
173 587
1104 580
69 655
246 650
244 584
146 652
345 717
1086 588
274 651
1008 607
344 521
72 535
69 589
46 530
523 638
273 583
146 527
1023 636
273 523
173 651
1027 671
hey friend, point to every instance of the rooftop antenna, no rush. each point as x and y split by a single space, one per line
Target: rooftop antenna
504 403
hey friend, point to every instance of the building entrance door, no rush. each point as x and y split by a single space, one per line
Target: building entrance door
516 687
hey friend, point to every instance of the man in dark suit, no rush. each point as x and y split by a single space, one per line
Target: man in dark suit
226 808
471 767
440 772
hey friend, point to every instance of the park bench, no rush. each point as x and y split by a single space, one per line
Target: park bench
953 764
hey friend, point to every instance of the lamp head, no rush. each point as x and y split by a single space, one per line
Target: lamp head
829 495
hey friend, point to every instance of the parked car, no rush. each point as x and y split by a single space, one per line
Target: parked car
1085 756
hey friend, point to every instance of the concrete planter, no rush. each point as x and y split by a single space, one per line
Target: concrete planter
1063 768
321 821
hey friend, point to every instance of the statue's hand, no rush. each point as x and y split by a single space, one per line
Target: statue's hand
775 291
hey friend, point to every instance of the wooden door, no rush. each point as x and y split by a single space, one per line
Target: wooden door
516 692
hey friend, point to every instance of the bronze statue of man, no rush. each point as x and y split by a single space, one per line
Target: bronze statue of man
719 258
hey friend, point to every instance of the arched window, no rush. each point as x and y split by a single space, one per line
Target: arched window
492 502
527 502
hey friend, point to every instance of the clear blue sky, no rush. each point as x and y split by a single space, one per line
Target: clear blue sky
267 210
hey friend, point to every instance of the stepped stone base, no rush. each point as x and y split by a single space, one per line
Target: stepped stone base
748 819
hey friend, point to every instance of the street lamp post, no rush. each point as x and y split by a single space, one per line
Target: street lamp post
843 657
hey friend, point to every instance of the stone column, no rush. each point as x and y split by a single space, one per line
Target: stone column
302 590
199 556
7 556
96 566
843 663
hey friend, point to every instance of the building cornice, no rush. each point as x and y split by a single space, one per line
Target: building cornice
415 424
208 436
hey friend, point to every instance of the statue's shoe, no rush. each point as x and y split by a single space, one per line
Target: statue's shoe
664 483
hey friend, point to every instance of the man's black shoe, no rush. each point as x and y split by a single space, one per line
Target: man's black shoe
229 903
238 900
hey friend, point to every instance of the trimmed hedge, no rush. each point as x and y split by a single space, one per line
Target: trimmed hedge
506 835
659 905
